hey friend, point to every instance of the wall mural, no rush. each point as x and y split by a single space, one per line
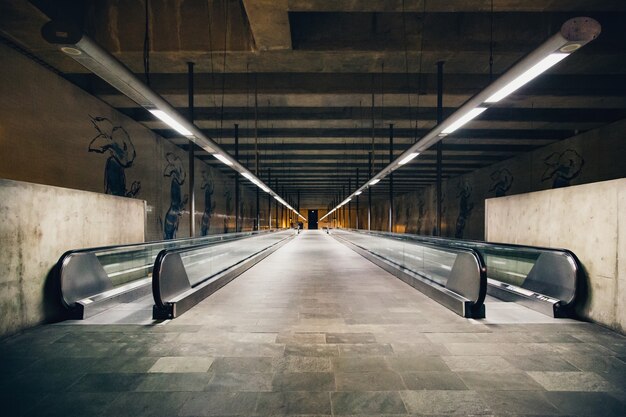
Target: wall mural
502 181
209 204
174 170
465 208
562 167
228 206
115 141
422 215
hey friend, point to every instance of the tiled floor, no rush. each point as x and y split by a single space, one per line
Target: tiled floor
316 330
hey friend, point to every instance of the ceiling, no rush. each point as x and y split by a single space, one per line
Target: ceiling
319 82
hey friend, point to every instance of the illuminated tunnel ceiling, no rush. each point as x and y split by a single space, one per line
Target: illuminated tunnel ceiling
331 76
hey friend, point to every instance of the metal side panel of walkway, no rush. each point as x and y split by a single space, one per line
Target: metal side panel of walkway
316 329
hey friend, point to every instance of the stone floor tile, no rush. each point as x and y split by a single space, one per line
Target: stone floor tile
499 381
246 365
587 404
444 402
302 364
182 364
519 402
368 381
540 363
311 349
478 364
196 381
351 338
433 380
256 382
72 404
571 381
367 403
416 363
106 383
293 403
360 364
304 381
146 404
366 349
219 404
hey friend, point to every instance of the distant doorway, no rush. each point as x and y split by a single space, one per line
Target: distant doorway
312 219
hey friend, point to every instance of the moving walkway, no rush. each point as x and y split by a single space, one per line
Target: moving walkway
176 272
459 273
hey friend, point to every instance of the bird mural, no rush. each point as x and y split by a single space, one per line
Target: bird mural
502 181
174 170
209 204
114 141
562 167
465 209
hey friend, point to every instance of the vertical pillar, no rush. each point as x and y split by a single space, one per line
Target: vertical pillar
349 205
237 222
369 195
391 178
439 145
357 200
269 199
276 203
192 160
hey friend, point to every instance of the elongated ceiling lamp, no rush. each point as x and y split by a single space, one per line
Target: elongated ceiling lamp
89 54
574 34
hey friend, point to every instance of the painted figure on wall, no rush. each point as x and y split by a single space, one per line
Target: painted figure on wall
115 141
174 170
209 204
422 214
408 209
502 181
229 208
465 208
562 167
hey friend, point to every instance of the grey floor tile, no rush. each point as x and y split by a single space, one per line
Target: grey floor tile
107 383
433 380
304 381
444 402
416 363
196 381
146 404
351 338
367 403
311 349
360 364
255 382
302 364
518 402
540 363
246 365
478 364
369 381
571 381
77 404
183 364
219 404
366 349
587 404
500 381
293 403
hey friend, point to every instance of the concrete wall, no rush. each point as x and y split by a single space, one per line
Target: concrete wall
590 220
54 133
596 155
39 223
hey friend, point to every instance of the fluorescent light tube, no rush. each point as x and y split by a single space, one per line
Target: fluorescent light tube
464 119
358 193
375 181
527 76
171 122
346 201
223 159
409 158
250 177
264 188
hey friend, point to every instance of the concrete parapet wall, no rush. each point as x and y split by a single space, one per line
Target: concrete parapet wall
589 220
38 224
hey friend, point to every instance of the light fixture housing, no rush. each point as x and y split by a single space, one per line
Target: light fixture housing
223 159
374 181
171 122
465 118
408 158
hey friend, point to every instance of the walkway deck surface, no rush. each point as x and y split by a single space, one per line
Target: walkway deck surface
315 329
